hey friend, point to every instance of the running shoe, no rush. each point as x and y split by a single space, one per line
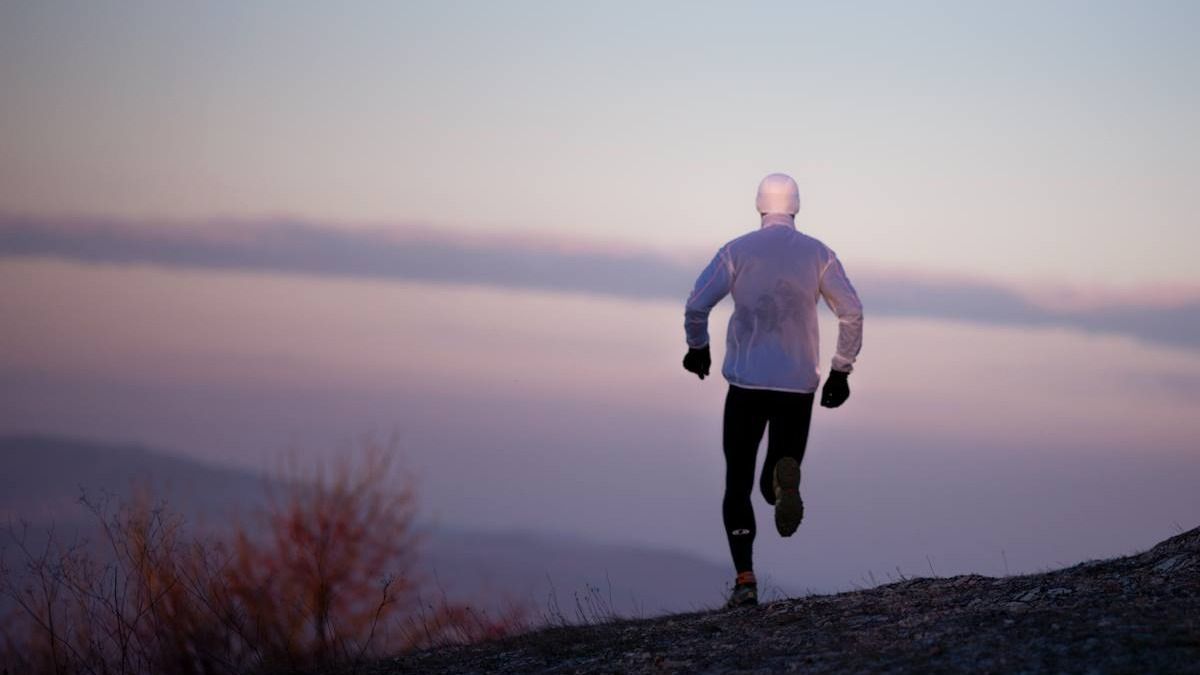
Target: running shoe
789 508
745 592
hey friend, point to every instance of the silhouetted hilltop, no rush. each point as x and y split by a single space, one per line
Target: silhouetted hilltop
1137 614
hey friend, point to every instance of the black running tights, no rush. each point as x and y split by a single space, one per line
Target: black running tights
747 414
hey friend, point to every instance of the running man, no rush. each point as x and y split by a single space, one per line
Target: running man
775 274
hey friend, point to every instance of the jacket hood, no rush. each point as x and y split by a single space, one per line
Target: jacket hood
778 193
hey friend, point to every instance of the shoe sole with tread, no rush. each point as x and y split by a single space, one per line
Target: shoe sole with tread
789 509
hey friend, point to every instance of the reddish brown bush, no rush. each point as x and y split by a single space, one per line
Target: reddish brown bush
319 576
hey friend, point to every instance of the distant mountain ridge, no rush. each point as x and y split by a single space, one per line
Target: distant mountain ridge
42 478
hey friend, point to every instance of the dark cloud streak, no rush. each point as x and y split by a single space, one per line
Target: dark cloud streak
304 248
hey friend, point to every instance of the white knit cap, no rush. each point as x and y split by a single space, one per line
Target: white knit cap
777 193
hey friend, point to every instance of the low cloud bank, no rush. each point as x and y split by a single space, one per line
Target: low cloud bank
306 248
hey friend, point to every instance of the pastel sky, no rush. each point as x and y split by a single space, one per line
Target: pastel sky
227 228
1020 140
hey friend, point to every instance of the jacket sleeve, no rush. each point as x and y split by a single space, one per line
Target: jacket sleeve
841 297
712 285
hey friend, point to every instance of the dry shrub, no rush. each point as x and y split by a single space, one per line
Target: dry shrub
317 577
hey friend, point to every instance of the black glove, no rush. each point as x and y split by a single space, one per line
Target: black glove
698 361
837 389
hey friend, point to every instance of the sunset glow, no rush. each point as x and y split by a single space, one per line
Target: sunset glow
228 229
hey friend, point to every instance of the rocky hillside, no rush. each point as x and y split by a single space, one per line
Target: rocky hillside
1139 614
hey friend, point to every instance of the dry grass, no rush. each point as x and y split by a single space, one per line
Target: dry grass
315 578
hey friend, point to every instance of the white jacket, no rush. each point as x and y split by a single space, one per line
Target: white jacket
775 275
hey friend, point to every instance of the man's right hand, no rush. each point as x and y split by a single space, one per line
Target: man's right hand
698 361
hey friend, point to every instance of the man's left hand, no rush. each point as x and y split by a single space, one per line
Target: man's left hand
698 361
836 390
